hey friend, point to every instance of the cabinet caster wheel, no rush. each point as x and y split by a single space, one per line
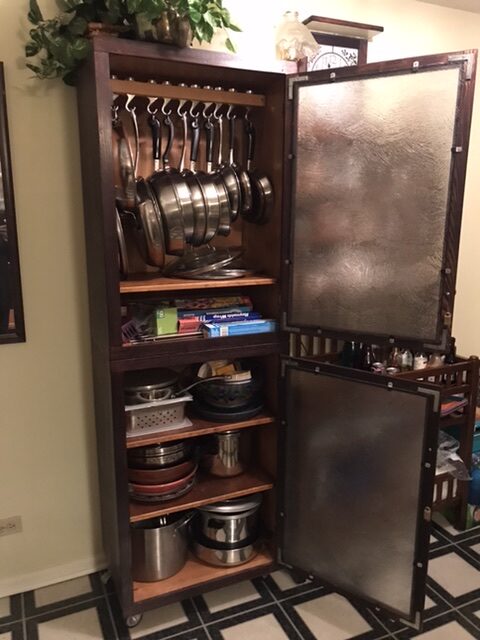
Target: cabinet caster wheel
132 621
298 577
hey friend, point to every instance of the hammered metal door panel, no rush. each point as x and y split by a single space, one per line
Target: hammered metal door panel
370 200
353 484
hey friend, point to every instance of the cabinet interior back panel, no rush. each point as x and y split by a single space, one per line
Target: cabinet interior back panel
352 485
371 190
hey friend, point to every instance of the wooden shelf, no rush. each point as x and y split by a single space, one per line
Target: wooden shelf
452 421
179 351
175 92
199 428
141 284
195 573
208 489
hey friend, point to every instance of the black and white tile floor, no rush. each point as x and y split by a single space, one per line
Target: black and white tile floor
271 608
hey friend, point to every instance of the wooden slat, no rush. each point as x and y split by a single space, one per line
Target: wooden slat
152 285
199 428
174 92
196 573
208 489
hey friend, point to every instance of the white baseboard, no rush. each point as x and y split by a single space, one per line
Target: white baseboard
52 575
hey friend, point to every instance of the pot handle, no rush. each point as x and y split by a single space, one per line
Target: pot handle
194 384
154 123
185 520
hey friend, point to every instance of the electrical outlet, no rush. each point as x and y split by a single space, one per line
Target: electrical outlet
10 525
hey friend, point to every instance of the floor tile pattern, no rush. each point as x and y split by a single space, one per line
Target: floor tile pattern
277 607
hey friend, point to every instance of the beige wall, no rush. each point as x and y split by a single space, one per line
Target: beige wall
47 451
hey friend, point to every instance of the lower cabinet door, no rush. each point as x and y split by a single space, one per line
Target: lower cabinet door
359 455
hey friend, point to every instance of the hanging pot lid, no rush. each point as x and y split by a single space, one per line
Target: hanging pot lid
138 381
236 505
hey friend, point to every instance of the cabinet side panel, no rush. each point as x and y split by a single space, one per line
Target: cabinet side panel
93 94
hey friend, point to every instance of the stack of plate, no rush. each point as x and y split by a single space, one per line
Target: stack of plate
161 472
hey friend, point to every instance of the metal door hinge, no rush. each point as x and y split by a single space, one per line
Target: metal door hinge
464 57
291 83
427 514
447 319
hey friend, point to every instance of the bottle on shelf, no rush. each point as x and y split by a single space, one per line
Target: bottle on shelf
450 358
420 361
436 359
357 355
368 357
406 360
394 358
346 358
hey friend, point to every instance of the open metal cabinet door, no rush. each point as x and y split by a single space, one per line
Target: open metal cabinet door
377 170
358 460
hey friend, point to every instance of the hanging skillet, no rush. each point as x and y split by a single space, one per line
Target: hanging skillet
229 174
200 179
190 177
224 226
262 189
171 197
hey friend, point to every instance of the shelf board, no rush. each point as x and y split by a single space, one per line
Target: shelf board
195 574
199 428
176 92
452 421
177 351
208 489
141 284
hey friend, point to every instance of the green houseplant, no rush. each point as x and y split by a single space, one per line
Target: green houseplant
59 44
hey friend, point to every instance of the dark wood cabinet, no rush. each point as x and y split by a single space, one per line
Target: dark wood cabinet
301 359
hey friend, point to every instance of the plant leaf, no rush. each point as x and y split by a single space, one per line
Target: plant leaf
233 27
230 46
34 15
78 26
32 48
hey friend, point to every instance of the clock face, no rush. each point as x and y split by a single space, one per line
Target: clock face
329 57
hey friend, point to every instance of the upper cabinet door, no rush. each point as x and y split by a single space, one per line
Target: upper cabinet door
378 162
358 469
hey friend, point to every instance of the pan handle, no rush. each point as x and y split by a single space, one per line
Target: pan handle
251 138
210 139
195 143
154 123
168 122
184 142
231 138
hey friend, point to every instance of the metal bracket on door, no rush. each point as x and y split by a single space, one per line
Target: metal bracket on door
285 327
436 397
465 57
292 82
438 347
416 624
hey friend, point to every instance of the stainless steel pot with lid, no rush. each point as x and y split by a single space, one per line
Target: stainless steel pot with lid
233 522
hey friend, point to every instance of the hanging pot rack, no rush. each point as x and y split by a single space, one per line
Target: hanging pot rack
178 92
